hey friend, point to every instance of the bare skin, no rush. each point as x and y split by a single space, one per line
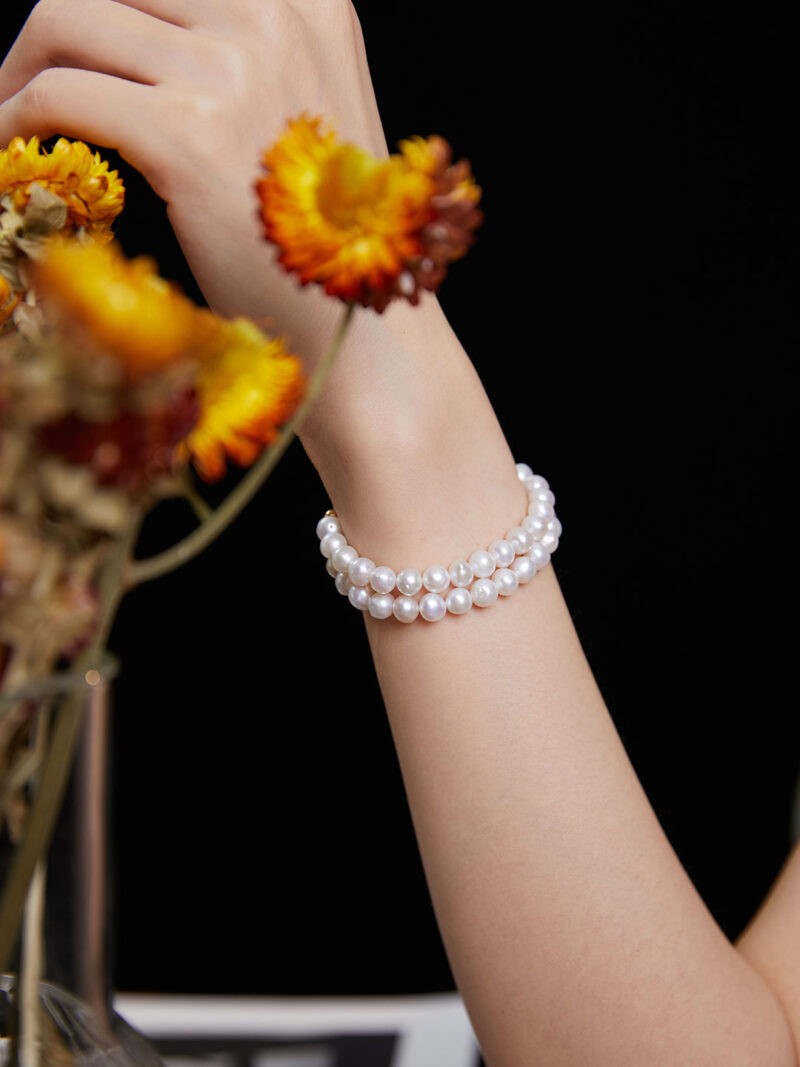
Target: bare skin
575 936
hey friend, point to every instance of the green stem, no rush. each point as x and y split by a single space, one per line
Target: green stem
202 510
189 547
55 772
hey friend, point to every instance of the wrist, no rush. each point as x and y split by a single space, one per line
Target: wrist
407 443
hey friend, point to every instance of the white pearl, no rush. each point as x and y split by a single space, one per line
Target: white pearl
360 570
461 573
327 524
343 557
381 605
540 509
405 609
358 597
383 579
432 607
330 542
409 581
507 582
539 555
520 538
484 592
458 601
482 563
436 579
535 526
502 552
524 568
508 563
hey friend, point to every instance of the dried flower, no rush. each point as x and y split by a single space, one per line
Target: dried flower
245 391
47 603
93 194
8 301
122 307
369 230
130 450
451 230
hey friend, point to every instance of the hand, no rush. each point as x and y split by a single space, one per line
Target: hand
191 92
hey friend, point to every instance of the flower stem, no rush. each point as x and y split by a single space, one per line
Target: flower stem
211 528
55 772
32 966
33 948
202 510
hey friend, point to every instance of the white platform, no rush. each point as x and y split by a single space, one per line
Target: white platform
434 1029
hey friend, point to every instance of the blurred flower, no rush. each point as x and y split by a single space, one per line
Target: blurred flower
451 230
130 450
369 230
8 301
124 307
93 195
160 380
245 391
47 602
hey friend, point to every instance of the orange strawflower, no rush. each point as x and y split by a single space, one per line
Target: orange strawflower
244 391
8 300
93 194
122 306
369 230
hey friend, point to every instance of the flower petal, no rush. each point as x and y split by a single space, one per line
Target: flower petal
93 194
245 392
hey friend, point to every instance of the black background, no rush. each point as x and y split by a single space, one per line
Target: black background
632 307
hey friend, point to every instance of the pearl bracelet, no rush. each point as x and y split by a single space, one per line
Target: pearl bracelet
479 581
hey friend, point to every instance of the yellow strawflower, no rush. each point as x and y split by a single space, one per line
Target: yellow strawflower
122 306
93 194
244 391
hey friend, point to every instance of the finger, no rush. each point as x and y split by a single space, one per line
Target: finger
99 35
87 106
179 12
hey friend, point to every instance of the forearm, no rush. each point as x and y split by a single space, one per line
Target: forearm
573 932
771 941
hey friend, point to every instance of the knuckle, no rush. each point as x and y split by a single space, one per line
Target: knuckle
230 69
342 7
43 17
341 11
333 19
40 94
199 117
279 21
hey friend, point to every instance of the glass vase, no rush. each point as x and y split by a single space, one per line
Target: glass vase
55 1000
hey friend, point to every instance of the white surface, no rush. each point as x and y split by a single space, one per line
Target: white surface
434 1030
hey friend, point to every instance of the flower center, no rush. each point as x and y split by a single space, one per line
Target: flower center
351 188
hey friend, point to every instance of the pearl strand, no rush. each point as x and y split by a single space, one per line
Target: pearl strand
480 581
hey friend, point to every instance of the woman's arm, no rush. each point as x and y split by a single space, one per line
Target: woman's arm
771 941
574 934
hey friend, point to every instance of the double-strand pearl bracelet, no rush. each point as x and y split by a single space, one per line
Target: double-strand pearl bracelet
479 581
